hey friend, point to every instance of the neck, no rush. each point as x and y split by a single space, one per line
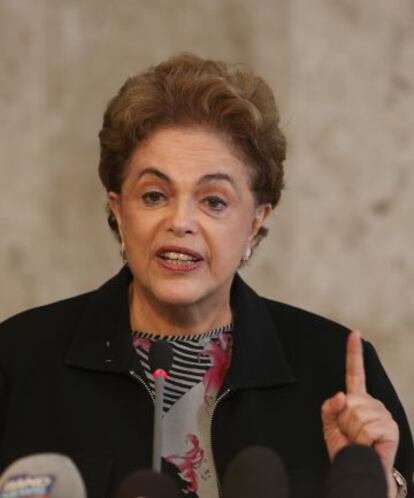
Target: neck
163 319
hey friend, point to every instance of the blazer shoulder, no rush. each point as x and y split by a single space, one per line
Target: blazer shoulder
302 325
63 313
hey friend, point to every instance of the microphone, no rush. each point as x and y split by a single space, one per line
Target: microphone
356 471
42 475
160 360
256 472
148 484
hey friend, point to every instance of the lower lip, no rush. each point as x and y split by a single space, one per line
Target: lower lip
179 267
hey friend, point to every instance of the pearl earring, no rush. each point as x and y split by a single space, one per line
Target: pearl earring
123 253
247 254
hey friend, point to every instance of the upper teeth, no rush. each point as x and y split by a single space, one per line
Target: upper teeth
178 255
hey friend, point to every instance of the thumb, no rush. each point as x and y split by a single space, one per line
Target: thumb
332 407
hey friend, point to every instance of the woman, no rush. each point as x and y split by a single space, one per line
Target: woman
192 160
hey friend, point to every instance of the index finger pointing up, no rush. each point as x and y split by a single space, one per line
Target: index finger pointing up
355 372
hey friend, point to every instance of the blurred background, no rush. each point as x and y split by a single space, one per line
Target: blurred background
342 239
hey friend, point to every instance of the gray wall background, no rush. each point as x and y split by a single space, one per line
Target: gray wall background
341 242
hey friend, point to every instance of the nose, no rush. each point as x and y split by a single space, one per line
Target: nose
182 218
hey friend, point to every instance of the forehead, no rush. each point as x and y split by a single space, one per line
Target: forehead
188 153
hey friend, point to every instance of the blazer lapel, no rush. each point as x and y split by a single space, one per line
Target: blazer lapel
103 339
258 359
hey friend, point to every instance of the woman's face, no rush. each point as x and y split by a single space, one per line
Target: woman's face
186 215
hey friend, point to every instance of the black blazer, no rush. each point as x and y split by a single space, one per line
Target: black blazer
69 383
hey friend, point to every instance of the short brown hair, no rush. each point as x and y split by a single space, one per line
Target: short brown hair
187 90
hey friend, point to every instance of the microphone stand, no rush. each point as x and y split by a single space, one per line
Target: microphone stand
160 377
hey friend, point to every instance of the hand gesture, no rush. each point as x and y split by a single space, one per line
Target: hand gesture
355 417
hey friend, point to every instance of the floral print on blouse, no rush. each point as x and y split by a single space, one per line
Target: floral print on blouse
199 366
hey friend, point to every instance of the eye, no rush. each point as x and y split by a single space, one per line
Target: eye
153 197
215 203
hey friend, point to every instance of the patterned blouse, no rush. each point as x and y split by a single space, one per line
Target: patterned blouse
197 373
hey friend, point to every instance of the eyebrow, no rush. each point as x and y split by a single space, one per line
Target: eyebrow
156 172
217 176
204 179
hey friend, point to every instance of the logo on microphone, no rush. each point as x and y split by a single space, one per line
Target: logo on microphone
27 486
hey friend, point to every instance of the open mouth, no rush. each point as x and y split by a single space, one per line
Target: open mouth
179 257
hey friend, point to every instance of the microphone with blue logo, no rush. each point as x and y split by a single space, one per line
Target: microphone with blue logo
44 475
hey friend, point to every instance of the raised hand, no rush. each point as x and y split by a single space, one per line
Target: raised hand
355 417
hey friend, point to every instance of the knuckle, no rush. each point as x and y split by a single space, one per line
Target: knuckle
326 408
355 405
394 427
325 405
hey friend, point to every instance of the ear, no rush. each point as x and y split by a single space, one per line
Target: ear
114 203
262 212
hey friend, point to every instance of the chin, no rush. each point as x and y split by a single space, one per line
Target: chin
178 298
185 294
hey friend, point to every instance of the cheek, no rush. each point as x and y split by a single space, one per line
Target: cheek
228 242
139 226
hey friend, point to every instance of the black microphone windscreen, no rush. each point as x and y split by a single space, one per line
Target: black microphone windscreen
161 356
256 472
45 474
356 472
148 484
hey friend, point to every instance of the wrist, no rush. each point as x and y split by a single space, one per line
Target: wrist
392 491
